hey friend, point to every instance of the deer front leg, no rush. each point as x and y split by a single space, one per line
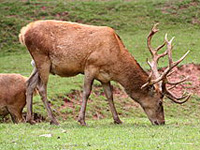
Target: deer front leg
88 81
109 95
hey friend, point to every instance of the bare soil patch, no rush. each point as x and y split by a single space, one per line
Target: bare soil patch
169 6
192 85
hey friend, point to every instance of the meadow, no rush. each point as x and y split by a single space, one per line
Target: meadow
132 20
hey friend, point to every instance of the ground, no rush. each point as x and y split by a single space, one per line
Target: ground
192 85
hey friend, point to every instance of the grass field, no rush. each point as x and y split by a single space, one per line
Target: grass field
132 20
133 134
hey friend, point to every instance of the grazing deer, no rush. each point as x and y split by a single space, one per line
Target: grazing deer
67 49
12 96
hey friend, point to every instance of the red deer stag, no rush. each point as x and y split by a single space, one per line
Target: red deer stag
12 96
67 49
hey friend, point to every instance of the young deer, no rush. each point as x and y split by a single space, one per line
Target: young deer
67 49
12 96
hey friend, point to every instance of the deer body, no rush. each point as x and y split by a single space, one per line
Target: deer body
67 49
12 95
72 47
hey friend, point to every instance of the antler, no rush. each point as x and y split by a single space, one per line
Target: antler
161 79
155 57
171 65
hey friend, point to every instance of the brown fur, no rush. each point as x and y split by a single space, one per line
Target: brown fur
67 49
12 95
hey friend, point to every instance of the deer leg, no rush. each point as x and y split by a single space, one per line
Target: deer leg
13 117
88 81
44 64
19 116
30 86
16 114
109 95
42 88
12 114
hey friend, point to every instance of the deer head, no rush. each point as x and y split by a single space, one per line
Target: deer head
160 81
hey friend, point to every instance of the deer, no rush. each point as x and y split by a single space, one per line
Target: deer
12 96
67 49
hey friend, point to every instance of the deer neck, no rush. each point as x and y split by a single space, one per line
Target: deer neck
131 76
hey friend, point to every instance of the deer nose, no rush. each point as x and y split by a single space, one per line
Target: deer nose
155 123
159 122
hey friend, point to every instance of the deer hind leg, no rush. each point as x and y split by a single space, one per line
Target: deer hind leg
87 87
30 86
4 112
44 69
15 114
109 95
42 88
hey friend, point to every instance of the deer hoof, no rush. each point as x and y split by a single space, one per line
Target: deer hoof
54 122
82 122
118 121
32 122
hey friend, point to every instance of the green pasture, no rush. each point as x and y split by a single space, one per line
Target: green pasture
132 20
134 134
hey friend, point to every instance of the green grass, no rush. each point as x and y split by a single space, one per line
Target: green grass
132 20
133 134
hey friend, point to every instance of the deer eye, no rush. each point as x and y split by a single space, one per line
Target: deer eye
160 103
162 95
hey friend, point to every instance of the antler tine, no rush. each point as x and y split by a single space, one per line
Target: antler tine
148 81
178 82
160 47
179 102
169 49
171 87
170 95
149 63
170 73
152 32
174 64
174 84
167 39
181 59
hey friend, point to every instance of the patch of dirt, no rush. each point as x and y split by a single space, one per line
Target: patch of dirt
37 117
192 85
171 8
73 99
167 7
195 21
